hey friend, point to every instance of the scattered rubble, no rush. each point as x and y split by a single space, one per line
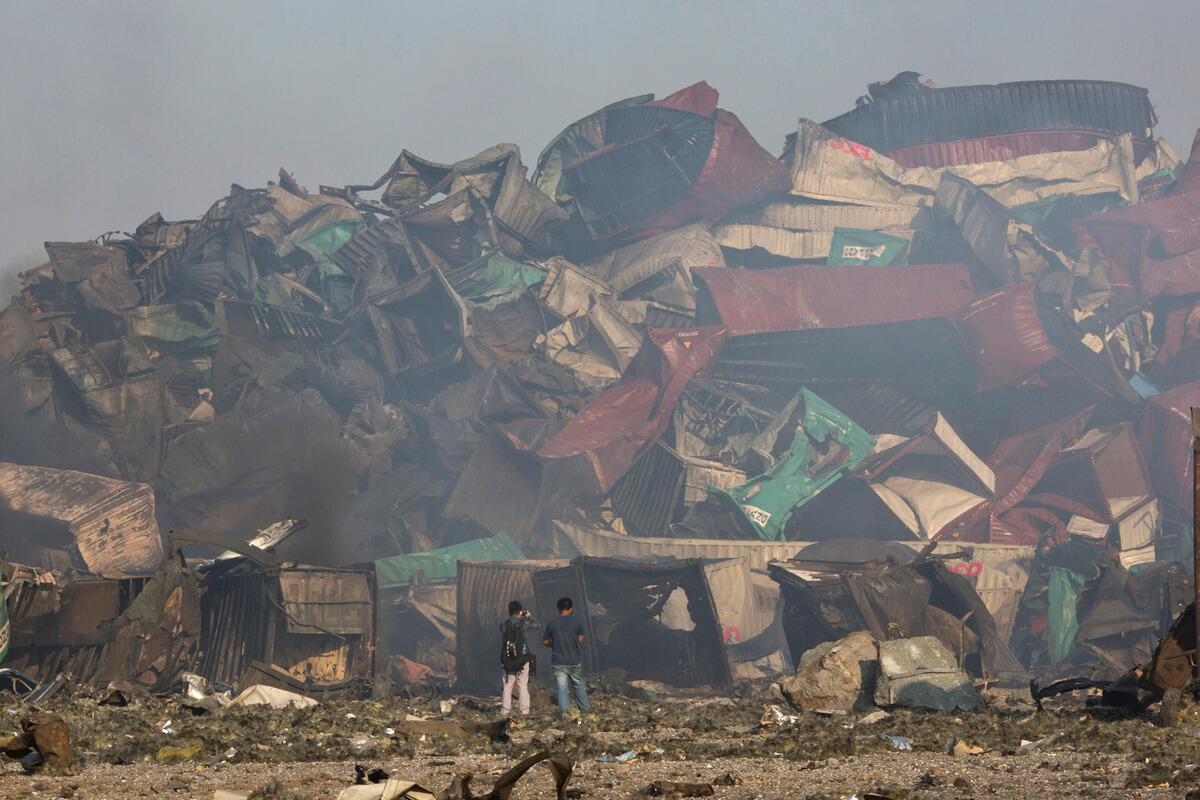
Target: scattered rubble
44 742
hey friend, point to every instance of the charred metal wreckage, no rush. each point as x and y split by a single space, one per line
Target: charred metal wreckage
923 378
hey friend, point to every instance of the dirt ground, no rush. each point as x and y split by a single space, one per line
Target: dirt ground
124 751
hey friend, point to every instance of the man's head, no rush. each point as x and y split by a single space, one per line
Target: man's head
565 606
514 608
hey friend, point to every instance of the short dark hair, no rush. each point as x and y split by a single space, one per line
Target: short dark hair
514 607
564 603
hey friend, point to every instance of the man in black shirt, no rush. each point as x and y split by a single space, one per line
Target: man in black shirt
564 637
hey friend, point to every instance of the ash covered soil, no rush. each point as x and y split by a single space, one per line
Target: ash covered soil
124 752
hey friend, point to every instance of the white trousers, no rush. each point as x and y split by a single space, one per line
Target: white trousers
521 679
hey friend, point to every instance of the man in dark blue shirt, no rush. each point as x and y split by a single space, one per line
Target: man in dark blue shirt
564 637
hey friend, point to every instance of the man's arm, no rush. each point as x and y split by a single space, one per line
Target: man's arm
546 636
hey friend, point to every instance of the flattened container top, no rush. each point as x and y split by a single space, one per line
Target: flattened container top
807 296
967 112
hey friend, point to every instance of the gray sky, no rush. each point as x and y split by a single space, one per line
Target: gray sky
115 110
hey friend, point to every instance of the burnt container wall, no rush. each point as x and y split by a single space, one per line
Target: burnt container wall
236 623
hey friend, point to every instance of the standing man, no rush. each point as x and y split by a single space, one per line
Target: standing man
564 637
515 658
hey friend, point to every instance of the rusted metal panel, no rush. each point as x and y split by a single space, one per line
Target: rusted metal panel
803 297
1019 462
113 522
326 601
1174 221
83 606
1150 247
622 422
317 625
1164 430
1004 335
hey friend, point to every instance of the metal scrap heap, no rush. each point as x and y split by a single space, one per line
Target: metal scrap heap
962 322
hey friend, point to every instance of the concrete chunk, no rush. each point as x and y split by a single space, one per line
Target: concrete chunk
921 673
835 676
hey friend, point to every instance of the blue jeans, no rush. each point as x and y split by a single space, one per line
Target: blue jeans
574 674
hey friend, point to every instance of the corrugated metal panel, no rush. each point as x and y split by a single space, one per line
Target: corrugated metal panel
113 522
327 601
484 591
1005 336
739 172
803 297
827 167
880 408
595 542
966 112
1003 147
236 625
1006 247
648 495
923 358
661 483
574 142
802 215
652 157
521 209
370 243
629 266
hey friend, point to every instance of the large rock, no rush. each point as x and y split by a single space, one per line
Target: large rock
921 673
835 676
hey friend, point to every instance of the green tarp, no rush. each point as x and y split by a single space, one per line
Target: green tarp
1065 586
322 243
442 564
494 273
853 246
827 444
164 323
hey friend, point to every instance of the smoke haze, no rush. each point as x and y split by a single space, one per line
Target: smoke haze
117 110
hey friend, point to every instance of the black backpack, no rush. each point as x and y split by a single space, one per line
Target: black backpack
514 652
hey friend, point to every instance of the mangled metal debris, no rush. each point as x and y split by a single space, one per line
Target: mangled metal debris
974 333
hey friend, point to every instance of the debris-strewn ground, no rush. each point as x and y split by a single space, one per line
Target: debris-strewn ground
124 752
